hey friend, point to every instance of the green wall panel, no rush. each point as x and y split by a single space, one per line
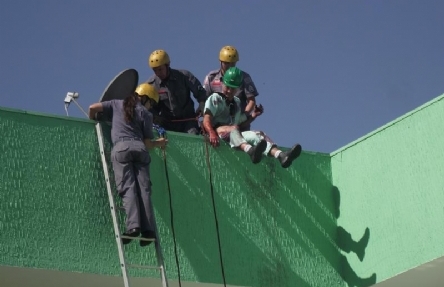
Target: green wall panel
278 227
391 182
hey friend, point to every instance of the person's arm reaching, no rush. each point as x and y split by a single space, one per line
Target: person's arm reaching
149 140
250 92
214 138
257 111
160 143
199 93
94 109
251 103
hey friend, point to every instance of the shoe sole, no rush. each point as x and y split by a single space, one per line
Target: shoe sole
295 153
260 148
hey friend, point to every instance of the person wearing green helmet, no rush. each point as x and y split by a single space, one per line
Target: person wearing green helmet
247 92
224 118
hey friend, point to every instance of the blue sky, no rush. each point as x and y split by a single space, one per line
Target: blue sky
327 72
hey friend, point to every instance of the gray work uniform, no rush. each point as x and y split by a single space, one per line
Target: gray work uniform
131 162
175 102
247 90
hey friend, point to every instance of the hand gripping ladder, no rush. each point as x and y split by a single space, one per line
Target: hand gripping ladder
118 235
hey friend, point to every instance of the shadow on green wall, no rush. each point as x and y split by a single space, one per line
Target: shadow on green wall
298 201
346 243
278 227
243 261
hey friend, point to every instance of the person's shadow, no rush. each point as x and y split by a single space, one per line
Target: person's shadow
346 243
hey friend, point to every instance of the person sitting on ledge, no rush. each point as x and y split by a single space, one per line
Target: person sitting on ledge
224 118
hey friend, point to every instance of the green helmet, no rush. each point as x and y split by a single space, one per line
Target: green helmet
232 77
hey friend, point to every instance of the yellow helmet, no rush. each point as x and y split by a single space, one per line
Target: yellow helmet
158 58
229 54
147 90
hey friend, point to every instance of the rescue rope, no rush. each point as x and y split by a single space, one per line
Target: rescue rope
162 133
185 120
207 157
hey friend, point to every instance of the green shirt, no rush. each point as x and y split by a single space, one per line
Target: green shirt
218 107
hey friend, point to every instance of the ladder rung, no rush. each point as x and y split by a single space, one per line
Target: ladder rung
105 155
138 238
143 266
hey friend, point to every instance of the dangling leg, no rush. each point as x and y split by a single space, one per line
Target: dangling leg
236 139
253 144
254 137
285 158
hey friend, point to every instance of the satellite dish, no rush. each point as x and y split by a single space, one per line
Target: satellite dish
124 84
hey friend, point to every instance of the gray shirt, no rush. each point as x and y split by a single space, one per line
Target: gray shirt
141 127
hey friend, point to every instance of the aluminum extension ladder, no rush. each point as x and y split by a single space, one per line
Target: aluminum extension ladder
123 265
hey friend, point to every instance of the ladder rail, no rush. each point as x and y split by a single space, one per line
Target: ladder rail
159 256
112 206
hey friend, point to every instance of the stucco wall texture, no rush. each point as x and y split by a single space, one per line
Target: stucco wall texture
308 225
391 182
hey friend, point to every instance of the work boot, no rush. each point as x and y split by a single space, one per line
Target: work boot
256 151
131 233
147 235
287 157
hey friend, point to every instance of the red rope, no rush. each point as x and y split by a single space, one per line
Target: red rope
185 120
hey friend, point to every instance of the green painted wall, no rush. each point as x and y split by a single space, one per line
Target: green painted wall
278 227
391 182
360 215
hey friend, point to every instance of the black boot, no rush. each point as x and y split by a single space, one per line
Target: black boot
287 157
131 233
256 151
147 235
